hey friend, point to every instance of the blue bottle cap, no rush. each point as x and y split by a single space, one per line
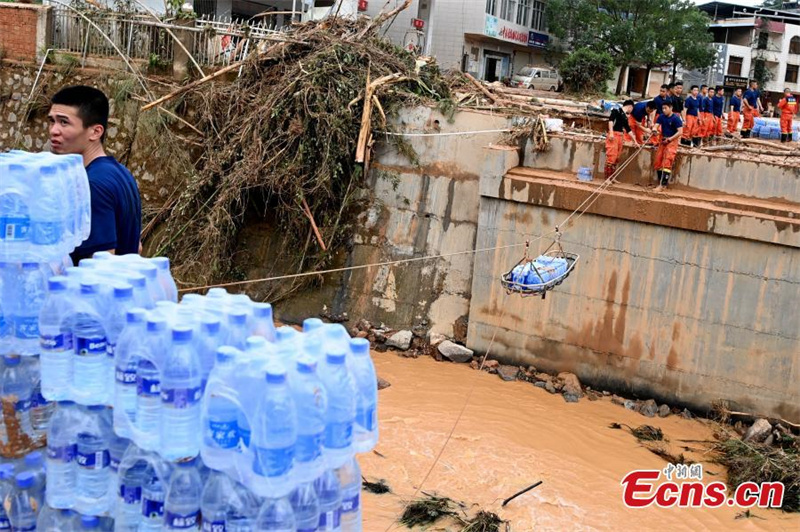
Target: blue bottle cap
136 280
226 354
102 255
24 480
306 364
16 168
11 360
182 334
66 512
336 357
89 287
96 408
156 323
162 263
217 292
311 324
6 471
66 402
255 342
211 325
262 310
47 169
73 271
123 291
148 270
359 346
57 284
34 459
87 263
90 521
191 299
238 317
284 333
276 375
135 315
30 265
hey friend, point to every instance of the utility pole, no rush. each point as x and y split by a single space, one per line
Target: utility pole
429 28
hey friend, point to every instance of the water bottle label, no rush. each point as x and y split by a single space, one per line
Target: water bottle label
15 228
23 406
97 460
53 342
308 447
148 386
5 524
125 376
315 529
339 435
46 233
26 327
181 397
224 434
350 504
181 522
330 521
152 509
65 453
90 346
114 463
110 349
130 494
217 526
273 462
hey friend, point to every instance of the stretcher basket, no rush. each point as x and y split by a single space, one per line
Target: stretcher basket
529 290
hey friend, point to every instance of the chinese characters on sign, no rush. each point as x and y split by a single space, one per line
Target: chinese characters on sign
514 33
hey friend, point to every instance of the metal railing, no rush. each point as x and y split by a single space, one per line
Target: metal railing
213 41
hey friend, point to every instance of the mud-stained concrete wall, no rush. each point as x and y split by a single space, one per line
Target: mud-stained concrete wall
423 209
687 317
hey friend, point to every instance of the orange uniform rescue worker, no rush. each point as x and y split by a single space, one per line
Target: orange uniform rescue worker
736 111
752 108
641 120
670 128
788 107
719 106
706 112
691 129
617 127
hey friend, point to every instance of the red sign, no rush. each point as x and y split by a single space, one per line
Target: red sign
514 35
362 5
418 23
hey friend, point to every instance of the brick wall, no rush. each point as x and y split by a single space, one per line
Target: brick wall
23 30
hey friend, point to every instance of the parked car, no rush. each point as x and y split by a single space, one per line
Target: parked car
539 78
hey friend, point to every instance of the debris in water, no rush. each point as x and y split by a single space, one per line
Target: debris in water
427 510
663 452
517 494
379 487
747 514
484 522
642 432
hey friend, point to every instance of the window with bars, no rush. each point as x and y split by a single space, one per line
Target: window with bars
791 73
735 65
538 22
794 45
491 7
508 10
205 7
524 12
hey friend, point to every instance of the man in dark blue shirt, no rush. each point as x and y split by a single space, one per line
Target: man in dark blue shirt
78 120
663 96
718 102
752 108
670 127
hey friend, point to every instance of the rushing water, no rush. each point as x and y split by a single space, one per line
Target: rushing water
513 434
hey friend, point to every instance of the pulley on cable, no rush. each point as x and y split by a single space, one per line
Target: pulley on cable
533 277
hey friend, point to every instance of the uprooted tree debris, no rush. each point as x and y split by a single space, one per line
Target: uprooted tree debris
288 138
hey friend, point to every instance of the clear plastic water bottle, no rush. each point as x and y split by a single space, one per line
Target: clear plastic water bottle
7 485
153 494
242 510
62 442
93 459
131 478
90 347
34 462
276 515
263 324
148 383
341 413
150 272
275 433
363 371
30 295
350 480
329 492
210 340
117 447
90 522
311 402
237 329
312 324
165 278
54 520
141 296
221 434
47 225
16 387
182 503
15 217
127 356
180 398
55 341
214 502
305 504
116 320
21 504
41 408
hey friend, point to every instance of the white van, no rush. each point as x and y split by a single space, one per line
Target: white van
539 78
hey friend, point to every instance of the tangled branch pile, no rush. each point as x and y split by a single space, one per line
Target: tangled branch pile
281 141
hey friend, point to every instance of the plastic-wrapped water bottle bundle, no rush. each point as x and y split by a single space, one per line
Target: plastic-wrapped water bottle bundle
45 209
83 316
25 412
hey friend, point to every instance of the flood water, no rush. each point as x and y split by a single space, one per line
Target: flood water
513 434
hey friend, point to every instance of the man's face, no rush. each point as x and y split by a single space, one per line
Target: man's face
667 109
787 93
754 86
67 133
628 109
694 92
678 90
663 92
739 93
711 93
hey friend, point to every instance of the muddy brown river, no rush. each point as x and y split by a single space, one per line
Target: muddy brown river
514 434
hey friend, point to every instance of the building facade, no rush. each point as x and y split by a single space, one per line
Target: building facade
490 39
750 39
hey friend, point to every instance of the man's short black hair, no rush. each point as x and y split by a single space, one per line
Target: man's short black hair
627 102
693 87
91 103
703 86
667 103
678 83
652 105
720 88
670 86
665 86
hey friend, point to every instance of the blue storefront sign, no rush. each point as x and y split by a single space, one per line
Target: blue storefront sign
537 40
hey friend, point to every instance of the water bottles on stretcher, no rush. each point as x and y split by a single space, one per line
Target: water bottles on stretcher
542 270
45 206
83 315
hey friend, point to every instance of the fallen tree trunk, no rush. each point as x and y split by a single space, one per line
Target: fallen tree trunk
492 98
